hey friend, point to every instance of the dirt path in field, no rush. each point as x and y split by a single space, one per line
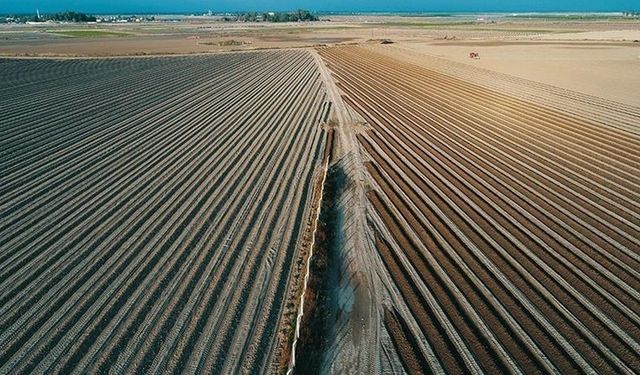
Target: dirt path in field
353 343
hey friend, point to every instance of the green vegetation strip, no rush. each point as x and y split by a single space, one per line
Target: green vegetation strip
89 33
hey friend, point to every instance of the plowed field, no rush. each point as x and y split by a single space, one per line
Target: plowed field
153 210
510 228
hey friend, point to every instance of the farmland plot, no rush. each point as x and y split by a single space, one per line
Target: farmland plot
507 229
152 210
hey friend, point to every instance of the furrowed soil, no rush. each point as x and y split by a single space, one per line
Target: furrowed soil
458 215
153 211
506 219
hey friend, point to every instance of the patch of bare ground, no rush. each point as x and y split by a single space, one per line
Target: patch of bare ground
590 71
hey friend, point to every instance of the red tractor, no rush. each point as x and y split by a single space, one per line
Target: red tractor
474 55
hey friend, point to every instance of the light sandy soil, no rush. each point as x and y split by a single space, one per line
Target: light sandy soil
606 69
610 35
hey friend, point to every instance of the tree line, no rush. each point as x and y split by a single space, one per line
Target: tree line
294 16
68 16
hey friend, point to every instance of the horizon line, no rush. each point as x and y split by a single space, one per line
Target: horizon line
427 12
